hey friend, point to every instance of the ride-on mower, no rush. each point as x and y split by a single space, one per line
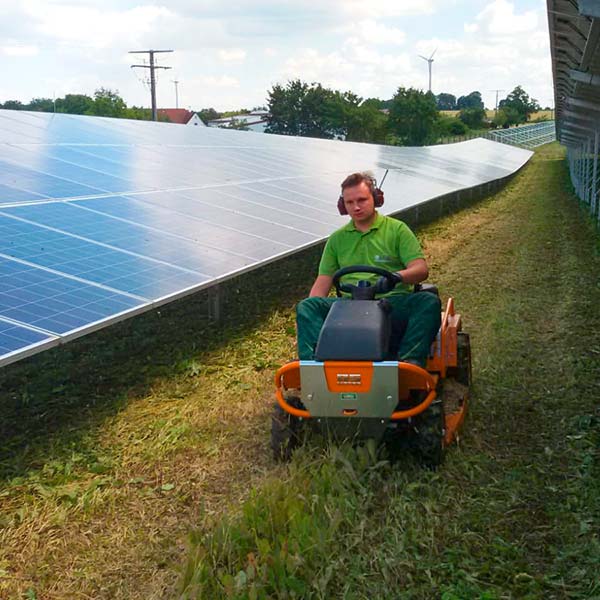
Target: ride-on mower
356 388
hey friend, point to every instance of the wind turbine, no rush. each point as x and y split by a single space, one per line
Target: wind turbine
429 61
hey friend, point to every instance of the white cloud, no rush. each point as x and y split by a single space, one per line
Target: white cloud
370 48
95 27
357 68
19 50
499 18
232 55
221 81
388 8
372 32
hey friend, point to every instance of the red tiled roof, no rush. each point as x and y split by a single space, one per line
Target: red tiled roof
176 115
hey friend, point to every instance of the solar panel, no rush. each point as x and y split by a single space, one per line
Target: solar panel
104 218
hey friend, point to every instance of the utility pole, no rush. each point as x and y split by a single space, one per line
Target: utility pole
496 109
152 68
176 82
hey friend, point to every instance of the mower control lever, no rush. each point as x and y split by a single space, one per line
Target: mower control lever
362 291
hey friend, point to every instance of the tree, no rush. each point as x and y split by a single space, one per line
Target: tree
519 102
74 104
13 105
285 105
451 126
141 114
414 117
446 101
305 110
472 117
208 114
500 119
365 122
472 100
41 105
107 104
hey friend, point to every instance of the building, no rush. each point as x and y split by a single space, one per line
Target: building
254 121
180 115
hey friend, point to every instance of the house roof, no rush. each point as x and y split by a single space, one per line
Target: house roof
176 115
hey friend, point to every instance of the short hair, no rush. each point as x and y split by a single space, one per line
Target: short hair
357 178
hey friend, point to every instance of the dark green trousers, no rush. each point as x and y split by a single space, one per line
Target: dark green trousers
421 312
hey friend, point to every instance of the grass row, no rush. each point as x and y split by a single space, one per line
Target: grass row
514 513
116 445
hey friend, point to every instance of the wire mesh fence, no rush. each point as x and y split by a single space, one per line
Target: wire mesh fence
583 165
525 136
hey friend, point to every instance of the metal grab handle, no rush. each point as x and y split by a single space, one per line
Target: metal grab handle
415 410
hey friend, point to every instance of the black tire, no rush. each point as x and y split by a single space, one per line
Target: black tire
429 440
286 430
463 373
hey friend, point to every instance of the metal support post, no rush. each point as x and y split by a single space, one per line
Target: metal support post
214 303
579 170
586 172
595 211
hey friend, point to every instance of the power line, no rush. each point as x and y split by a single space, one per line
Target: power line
152 68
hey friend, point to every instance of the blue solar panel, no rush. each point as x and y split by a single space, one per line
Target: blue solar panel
101 218
198 256
37 184
95 263
53 302
15 338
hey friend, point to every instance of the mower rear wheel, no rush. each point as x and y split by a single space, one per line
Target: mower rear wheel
286 430
429 442
463 359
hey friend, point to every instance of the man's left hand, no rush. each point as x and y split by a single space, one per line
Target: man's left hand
384 285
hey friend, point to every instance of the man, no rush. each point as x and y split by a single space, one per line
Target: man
376 240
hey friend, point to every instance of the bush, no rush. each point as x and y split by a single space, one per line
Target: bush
473 117
451 126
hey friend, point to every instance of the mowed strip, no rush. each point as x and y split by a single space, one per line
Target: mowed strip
514 511
115 448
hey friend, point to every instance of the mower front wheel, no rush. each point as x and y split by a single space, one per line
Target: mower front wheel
430 435
286 430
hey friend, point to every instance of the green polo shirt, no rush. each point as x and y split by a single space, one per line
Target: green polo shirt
389 244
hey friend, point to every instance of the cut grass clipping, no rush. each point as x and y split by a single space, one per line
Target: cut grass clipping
117 445
513 515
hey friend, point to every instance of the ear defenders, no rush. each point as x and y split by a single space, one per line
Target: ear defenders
377 197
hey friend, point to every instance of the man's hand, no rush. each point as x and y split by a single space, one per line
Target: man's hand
384 285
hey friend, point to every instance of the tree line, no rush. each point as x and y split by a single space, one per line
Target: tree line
411 117
104 103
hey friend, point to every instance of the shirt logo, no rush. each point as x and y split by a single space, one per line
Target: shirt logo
384 258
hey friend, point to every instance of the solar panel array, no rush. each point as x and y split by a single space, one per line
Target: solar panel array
105 218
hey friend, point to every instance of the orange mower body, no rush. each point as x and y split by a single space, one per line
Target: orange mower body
386 399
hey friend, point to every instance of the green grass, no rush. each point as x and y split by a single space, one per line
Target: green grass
116 446
514 511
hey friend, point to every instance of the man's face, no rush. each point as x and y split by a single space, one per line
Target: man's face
359 202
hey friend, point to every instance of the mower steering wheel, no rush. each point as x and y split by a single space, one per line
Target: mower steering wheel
349 288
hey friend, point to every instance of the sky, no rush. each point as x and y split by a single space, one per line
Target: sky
229 55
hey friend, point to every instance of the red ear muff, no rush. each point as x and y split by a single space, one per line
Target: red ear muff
341 206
